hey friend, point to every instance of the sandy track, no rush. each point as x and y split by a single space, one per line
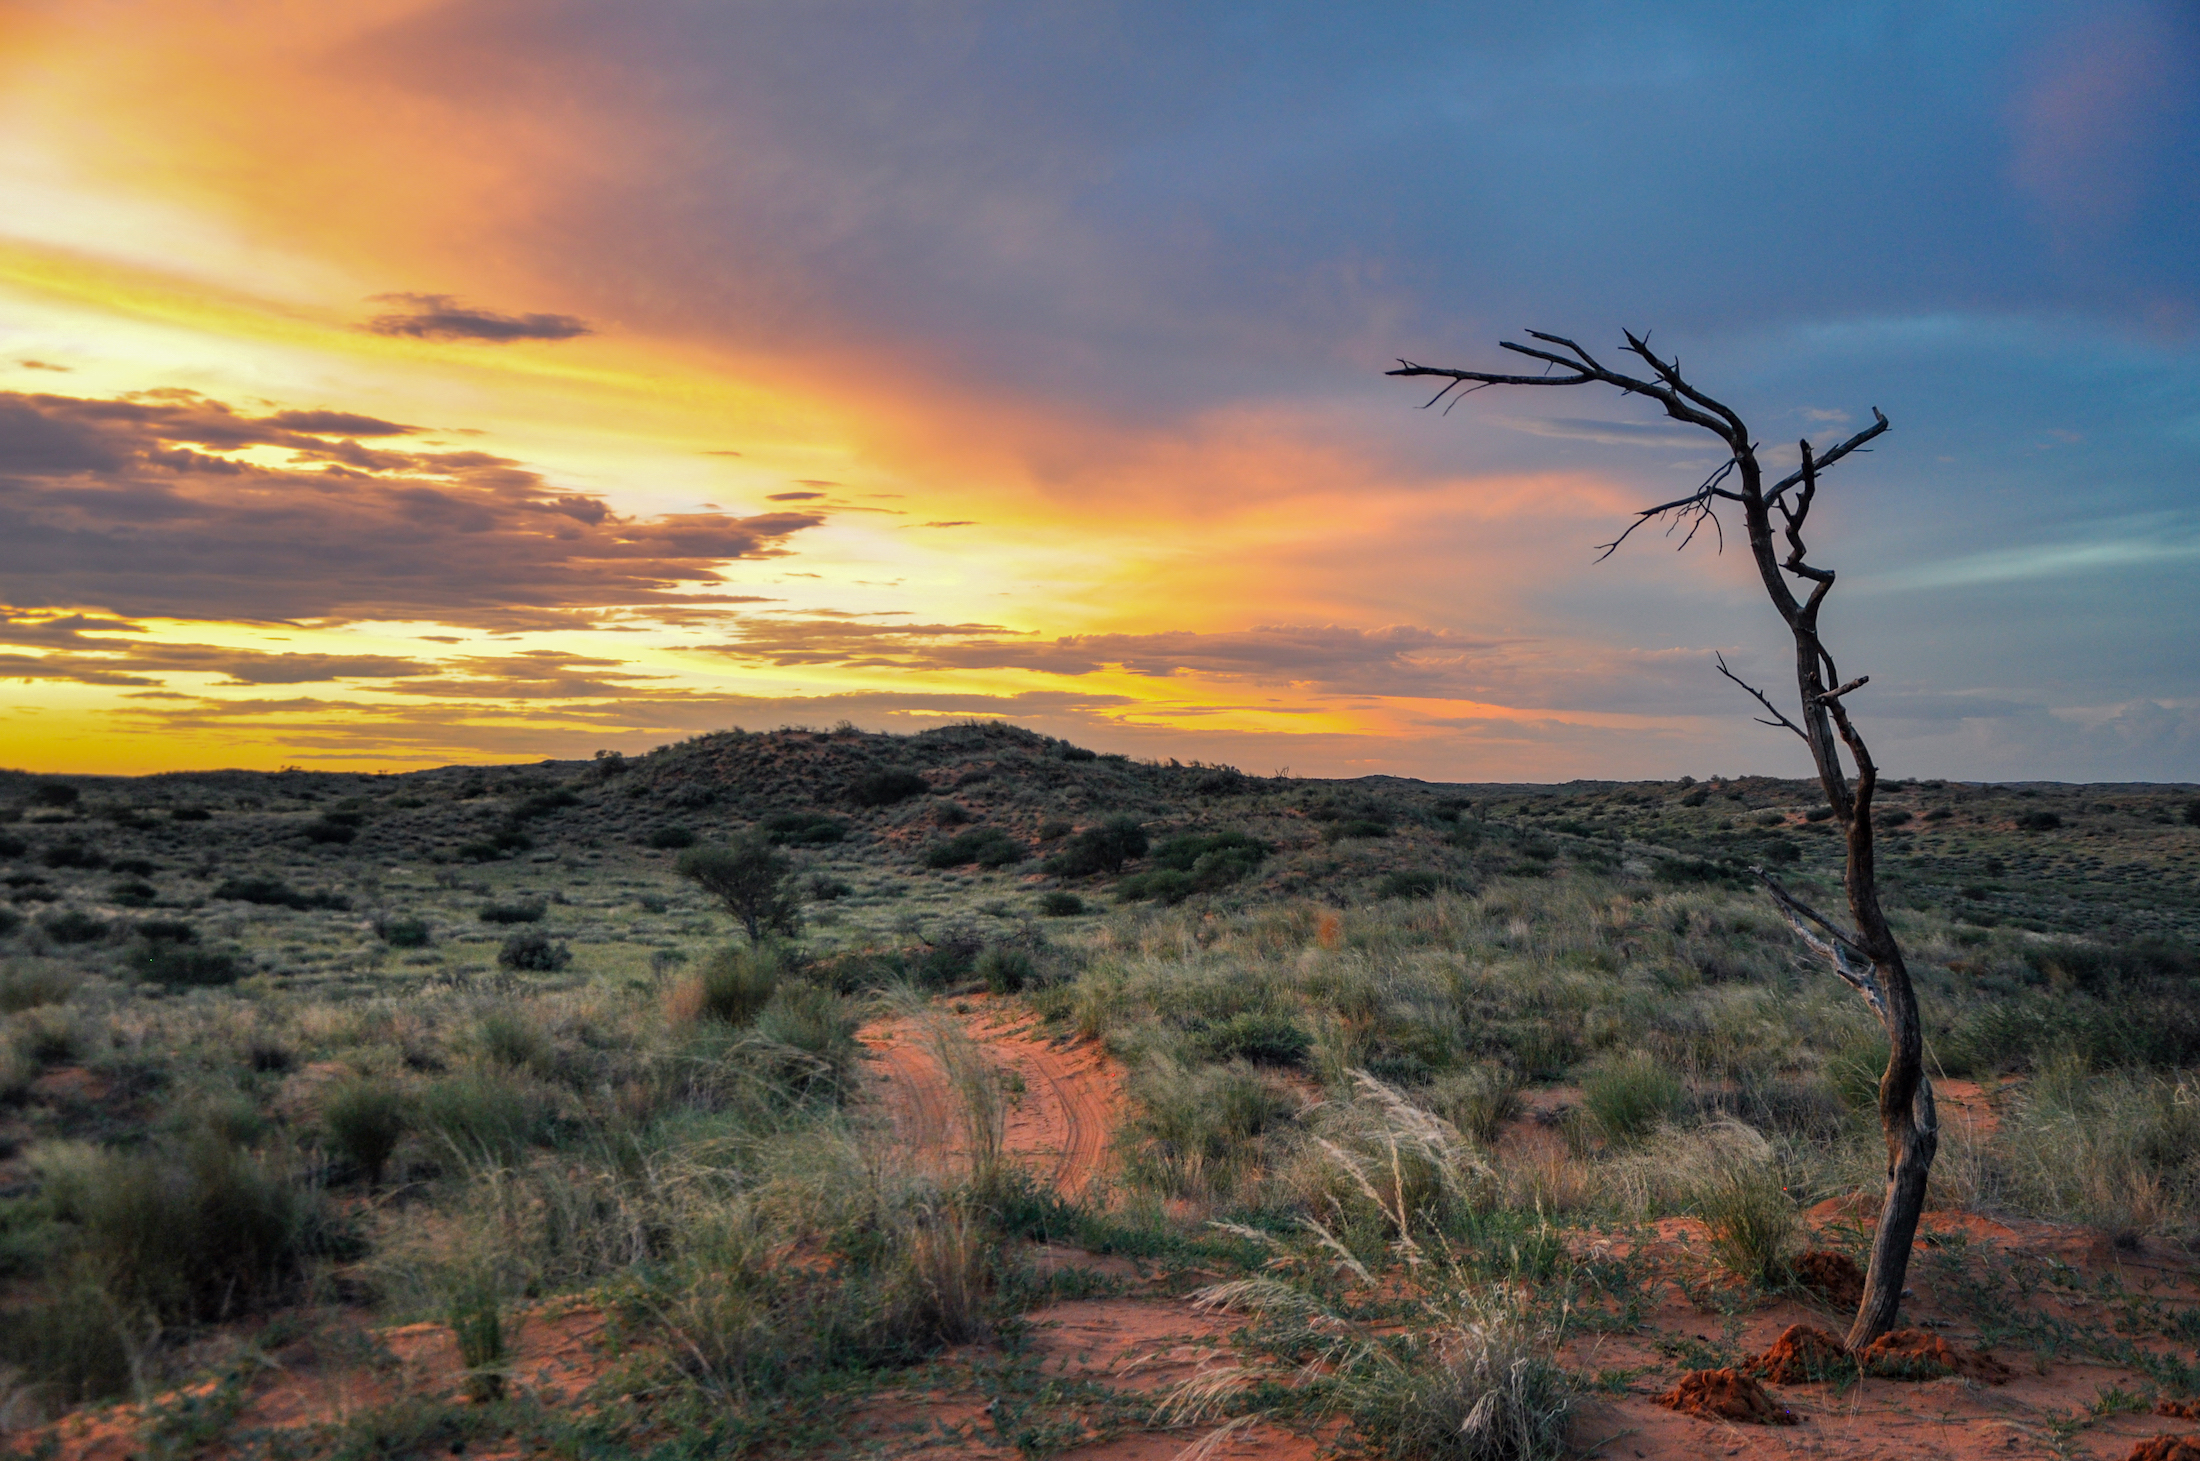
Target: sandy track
1059 1126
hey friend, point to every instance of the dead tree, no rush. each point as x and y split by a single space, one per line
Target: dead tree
1865 955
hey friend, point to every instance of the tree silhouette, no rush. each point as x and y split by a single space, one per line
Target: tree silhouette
1866 956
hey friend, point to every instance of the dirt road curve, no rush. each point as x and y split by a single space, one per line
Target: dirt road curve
1059 1126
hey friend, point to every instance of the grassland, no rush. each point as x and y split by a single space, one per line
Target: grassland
294 1058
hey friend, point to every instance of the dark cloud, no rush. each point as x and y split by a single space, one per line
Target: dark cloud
83 648
793 496
959 523
45 365
441 317
338 423
133 504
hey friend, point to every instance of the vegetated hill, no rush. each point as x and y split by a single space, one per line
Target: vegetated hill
2116 861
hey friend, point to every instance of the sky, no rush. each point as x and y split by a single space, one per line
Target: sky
403 382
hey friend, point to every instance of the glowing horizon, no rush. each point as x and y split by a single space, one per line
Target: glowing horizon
388 386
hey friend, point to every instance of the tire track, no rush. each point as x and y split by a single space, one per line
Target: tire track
1059 1126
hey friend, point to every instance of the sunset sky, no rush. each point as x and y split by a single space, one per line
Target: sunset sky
395 382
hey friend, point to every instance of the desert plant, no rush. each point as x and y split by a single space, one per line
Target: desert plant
1195 1128
1410 883
477 1323
737 982
362 1120
803 829
1060 903
1480 1101
985 846
165 961
1628 1098
487 1115
71 1348
1101 849
2039 821
56 794
1754 1223
669 839
72 926
74 854
750 878
274 892
27 985
166 930
535 952
190 1235
1006 970
1258 1036
884 788
510 913
403 933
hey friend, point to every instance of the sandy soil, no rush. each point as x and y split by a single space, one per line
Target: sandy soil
1059 1125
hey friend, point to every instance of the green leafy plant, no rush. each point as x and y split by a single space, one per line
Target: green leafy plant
750 877
535 952
363 1120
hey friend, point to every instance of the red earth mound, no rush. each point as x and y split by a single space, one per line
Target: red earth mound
1727 1395
2181 1409
2165 1448
1916 1354
1802 1353
1834 1277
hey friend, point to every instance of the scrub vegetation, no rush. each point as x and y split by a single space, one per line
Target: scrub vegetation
1410 1073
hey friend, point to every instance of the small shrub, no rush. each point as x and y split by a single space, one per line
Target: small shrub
2192 812
535 952
56 794
1193 1129
477 1323
274 892
1198 862
482 1114
133 894
1101 849
12 845
135 867
986 846
884 788
1263 1039
1818 814
2039 821
543 803
28 986
70 1349
1006 970
670 839
1631 1097
814 1020
803 829
1056 829
328 830
1410 883
1754 1223
1892 817
1481 1102
362 1122
190 1236
1354 828
71 926
74 854
403 933
737 982
167 930
1060 903
167 962
825 888
510 913
10 921
189 814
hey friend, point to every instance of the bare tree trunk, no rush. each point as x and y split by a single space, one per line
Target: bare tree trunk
1869 958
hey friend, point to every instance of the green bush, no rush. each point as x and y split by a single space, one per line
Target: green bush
28 986
534 952
750 878
1101 849
1193 1129
69 1349
543 803
1196 862
738 981
189 814
330 830
1628 1098
1480 1101
166 962
985 846
189 1236
133 894
670 839
477 1323
135 867
362 1122
510 913
1262 1038
803 829
74 854
884 788
2039 821
1060 903
70 926
1410 883
274 892
812 1019
483 1114
403 933
1006 970
1355 827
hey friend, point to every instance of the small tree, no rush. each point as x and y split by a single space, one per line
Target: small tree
1867 955
750 878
